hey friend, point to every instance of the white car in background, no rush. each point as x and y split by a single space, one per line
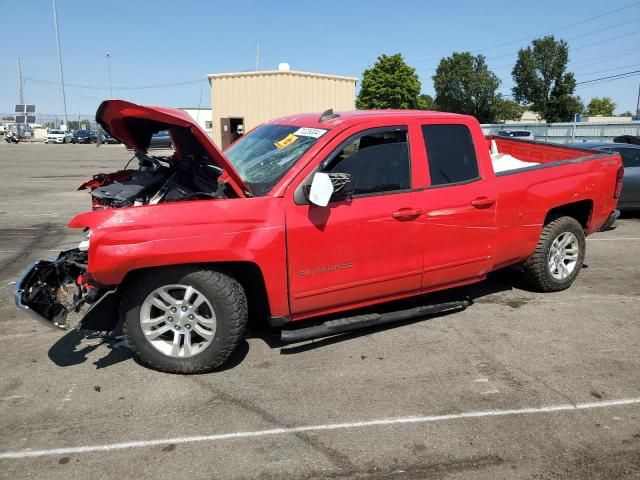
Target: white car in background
58 136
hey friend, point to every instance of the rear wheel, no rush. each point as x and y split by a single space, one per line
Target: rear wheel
184 320
558 257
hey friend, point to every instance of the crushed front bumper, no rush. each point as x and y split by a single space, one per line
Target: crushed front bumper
49 290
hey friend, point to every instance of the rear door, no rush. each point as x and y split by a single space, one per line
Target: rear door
365 245
459 221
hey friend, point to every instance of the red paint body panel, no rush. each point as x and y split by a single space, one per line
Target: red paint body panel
206 231
318 260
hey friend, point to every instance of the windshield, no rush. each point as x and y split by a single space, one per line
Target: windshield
263 156
56 132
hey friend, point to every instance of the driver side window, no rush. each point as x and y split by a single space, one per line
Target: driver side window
378 161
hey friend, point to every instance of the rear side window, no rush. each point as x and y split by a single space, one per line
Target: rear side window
377 162
451 154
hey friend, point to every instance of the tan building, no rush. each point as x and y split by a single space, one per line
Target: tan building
243 100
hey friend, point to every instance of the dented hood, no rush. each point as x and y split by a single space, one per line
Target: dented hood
134 125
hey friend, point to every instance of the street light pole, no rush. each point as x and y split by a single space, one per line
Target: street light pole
21 82
108 55
55 24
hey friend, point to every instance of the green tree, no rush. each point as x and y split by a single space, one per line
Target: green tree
464 84
390 83
425 102
626 114
542 81
506 110
601 106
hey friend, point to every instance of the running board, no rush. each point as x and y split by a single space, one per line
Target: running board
341 325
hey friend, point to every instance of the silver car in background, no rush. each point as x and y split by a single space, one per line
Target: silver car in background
630 153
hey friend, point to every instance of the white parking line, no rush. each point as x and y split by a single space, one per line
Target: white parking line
612 239
28 453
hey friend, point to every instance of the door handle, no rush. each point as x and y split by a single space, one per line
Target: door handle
482 202
407 213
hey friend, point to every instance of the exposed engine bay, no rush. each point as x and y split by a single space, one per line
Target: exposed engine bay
157 180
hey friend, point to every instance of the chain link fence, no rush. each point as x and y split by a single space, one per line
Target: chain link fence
570 132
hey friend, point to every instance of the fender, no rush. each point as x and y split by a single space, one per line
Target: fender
210 231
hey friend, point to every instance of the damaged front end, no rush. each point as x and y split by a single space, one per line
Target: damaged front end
58 292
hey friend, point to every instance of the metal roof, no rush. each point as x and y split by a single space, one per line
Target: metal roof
257 73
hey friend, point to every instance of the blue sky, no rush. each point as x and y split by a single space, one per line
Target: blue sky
162 42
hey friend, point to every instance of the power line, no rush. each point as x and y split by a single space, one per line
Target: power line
571 49
611 77
581 46
135 87
595 81
604 58
565 27
54 87
589 61
433 59
542 34
610 69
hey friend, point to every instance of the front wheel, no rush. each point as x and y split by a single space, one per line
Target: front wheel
184 319
559 255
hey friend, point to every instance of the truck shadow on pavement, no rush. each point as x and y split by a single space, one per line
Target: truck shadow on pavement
75 347
488 291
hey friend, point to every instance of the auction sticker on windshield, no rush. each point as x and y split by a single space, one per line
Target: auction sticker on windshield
310 132
286 141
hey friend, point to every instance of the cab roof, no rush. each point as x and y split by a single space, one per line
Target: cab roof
358 116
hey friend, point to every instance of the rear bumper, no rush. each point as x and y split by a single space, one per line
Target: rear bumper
608 225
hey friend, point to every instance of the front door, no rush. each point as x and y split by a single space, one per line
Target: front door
365 245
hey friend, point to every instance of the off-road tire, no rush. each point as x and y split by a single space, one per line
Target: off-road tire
225 294
536 268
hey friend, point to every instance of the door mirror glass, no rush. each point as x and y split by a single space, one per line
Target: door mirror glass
321 189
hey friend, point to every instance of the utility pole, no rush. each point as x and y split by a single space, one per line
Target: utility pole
21 82
55 24
638 103
257 56
108 55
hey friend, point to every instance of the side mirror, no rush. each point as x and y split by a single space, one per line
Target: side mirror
321 189
324 185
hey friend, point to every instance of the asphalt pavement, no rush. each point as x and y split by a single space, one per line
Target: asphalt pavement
519 385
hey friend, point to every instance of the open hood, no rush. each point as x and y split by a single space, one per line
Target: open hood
134 125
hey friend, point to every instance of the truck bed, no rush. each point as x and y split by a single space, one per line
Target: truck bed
537 154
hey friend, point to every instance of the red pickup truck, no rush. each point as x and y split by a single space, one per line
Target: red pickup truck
310 215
